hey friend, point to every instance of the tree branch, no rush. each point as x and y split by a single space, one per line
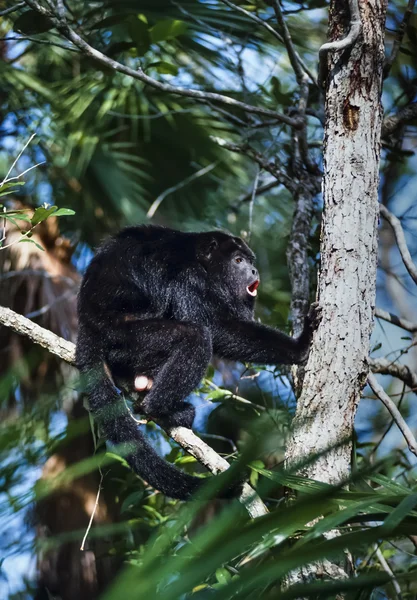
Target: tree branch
387 367
297 256
399 38
392 122
394 412
401 241
184 437
139 74
263 162
11 9
399 321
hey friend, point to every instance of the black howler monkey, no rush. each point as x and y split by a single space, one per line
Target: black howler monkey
160 303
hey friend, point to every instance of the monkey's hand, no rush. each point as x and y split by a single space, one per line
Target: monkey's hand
314 317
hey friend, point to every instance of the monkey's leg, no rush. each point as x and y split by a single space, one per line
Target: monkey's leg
175 354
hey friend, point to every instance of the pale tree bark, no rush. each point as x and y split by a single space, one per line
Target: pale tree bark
337 367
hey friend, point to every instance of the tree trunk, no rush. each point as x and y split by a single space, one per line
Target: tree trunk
337 367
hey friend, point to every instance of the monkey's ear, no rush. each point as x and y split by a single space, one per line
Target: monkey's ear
206 250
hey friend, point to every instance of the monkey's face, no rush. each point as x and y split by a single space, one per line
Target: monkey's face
244 275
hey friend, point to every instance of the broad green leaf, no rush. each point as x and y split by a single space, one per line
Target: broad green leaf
167 29
41 214
64 212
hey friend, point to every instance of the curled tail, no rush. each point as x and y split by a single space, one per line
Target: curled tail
119 428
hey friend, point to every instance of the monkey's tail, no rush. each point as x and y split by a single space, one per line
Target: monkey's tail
120 429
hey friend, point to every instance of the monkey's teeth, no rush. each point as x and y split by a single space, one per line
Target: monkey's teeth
254 293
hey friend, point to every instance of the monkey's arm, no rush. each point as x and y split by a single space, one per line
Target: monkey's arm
249 341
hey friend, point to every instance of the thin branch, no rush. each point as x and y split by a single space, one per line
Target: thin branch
27 38
292 55
392 122
156 203
260 190
139 74
355 27
399 321
252 202
401 241
184 437
16 159
399 38
387 569
272 31
387 367
394 412
92 513
12 9
263 162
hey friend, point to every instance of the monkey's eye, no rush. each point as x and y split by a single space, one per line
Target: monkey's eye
238 260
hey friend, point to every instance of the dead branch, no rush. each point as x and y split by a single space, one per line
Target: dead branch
394 412
401 241
399 321
184 437
387 367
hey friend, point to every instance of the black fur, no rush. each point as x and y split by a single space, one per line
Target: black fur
160 303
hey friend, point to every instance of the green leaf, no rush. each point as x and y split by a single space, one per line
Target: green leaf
31 22
64 212
42 213
164 67
26 239
138 31
223 576
167 29
17 217
11 184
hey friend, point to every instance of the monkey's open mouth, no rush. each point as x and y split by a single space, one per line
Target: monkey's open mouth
252 289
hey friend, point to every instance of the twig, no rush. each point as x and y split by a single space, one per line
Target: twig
87 531
184 437
16 159
399 37
252 202
263 162
387 367
355 27
292 55
387 569
11 9
156 203
139 74
24 172
399 321
394 412
261 189
401 241
28 38
235 397
272 31
392 122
